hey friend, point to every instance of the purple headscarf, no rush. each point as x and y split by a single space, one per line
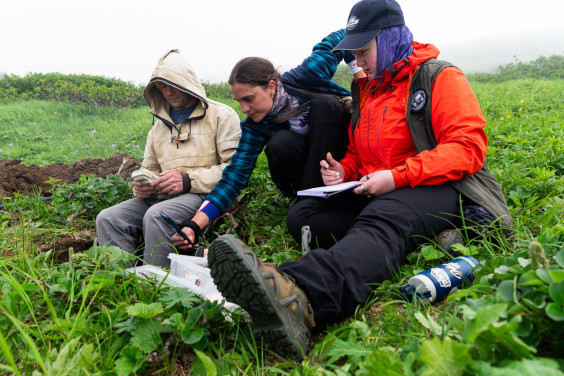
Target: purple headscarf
394 44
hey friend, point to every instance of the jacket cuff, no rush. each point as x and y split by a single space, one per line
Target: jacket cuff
186 183
400 177
353 67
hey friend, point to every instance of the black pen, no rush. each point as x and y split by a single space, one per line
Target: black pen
176 228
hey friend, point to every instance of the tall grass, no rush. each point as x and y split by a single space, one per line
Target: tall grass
45 132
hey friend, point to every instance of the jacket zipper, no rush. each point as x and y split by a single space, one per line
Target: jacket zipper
369 138
379 132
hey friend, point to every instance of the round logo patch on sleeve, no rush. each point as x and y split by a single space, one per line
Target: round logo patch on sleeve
418 101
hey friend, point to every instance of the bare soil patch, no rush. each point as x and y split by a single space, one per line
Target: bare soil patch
16 177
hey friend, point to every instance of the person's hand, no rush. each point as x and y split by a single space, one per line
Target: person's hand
169 182
332 172
376 184
180 243
202 220
142 191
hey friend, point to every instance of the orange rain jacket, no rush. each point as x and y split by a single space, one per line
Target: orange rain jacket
382 140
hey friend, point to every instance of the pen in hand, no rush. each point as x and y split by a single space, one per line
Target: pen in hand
176 228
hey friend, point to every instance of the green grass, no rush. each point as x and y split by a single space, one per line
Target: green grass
87 317
49 132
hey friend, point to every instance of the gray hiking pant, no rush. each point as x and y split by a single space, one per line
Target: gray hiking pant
121 225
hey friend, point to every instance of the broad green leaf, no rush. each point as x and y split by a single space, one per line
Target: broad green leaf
361 327
525 367
194 316
354 350
536 300
556 292
175 320
505 332
146 335
71 360
190 336
506 291
179 295
469 250
530 278
468 313
556 275
30 287
555 311
523 262
58 289
528 367
384 362
543 275
444 358
201 344
131 360
559 228
211 370
145 311
503 273
483 318
560 258
430 253
127 325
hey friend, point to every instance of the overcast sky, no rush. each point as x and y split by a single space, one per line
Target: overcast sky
125 38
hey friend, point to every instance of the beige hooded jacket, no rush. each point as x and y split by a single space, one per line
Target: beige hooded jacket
202 146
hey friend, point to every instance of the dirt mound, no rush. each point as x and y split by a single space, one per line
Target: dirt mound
15 177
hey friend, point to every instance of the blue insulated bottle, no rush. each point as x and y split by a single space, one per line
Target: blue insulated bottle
437 283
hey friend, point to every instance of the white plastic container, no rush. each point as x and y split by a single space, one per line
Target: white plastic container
194 271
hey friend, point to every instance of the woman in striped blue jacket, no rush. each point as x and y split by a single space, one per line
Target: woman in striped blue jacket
296 118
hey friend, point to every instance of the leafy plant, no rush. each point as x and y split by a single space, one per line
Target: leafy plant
90 195
92 91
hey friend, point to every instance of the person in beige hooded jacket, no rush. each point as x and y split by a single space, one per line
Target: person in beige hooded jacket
188 147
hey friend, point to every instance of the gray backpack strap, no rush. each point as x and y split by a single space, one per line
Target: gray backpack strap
419 115
482 188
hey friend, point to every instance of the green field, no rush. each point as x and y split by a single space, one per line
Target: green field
86 316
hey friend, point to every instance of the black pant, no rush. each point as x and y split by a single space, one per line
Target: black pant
294 159
362 241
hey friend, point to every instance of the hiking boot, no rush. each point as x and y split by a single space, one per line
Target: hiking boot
280 310
448 238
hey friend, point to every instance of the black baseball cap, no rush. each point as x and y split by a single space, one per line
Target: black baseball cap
366 19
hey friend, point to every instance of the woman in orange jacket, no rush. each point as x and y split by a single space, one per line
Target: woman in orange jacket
403 199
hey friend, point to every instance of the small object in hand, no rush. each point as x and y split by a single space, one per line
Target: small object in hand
176 228
144 176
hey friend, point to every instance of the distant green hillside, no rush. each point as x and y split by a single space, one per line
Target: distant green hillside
98 91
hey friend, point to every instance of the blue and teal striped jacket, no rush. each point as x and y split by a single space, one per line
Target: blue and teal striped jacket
313 74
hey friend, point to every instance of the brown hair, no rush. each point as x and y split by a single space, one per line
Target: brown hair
254 71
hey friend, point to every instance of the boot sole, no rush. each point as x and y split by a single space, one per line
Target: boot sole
240 282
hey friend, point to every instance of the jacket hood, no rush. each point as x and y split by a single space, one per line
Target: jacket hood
422 52
403 68
174 69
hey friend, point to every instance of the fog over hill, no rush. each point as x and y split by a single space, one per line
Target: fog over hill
486 54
